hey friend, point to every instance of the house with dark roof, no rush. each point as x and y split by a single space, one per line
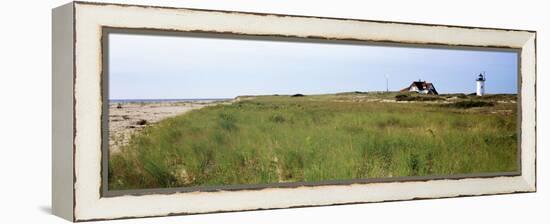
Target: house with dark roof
422 87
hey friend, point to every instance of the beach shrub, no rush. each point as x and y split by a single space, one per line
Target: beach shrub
141 122
403 97
470 103
277 118
457 95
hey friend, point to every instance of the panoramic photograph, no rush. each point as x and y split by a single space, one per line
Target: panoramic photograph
204 111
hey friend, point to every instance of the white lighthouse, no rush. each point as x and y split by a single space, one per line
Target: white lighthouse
480 85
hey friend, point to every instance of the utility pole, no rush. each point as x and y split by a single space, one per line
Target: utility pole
387 88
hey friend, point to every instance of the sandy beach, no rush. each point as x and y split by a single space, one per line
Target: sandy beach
125 119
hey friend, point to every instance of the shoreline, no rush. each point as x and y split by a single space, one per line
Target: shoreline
128 118
197 100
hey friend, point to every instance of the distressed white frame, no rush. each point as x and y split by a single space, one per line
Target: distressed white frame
89 18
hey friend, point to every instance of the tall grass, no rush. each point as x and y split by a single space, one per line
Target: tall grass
274 139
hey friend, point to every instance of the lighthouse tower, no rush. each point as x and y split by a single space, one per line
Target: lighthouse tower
480 85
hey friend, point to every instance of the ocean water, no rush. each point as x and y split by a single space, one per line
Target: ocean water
166 100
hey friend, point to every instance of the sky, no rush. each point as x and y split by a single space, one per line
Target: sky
178 67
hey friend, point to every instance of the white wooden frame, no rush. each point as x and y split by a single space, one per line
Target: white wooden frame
77 110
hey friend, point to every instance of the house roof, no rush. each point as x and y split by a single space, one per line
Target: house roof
422 85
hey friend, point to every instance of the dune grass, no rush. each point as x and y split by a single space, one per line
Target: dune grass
271 139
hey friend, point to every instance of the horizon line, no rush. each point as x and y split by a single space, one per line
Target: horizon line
288 94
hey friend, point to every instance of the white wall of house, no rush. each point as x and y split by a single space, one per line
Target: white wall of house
415 89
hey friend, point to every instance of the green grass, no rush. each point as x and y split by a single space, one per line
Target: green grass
271 139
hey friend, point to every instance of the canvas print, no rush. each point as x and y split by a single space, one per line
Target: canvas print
203 111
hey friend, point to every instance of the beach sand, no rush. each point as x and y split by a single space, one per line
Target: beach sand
126 119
